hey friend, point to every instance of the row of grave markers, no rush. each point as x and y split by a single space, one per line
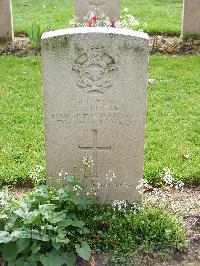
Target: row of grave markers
191 15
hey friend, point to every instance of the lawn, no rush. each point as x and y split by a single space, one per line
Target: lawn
173 131
155 16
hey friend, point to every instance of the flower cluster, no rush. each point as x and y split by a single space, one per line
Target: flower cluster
63 175
87 161
4 198
100 19
123 206
170 181
119 205
110 176
143 184
166 180
127 20
36 175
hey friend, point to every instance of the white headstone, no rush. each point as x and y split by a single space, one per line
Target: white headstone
95 103
6 24
191 18
110 7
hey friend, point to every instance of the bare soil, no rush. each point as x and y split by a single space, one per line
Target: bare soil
158 44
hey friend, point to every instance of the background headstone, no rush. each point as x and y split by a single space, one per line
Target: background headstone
6 23
110 7
95 103
191 18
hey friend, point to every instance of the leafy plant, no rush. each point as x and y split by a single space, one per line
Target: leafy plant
44 227
52 226
133 229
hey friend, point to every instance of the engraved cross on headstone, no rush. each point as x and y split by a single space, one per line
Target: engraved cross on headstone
95 148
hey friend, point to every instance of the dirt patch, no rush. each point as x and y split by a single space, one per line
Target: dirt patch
158 44
19 47
174 45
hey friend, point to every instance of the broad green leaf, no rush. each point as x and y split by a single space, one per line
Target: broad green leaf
83 251
12 263
71 259
32 217
49 227
3 216
53 217
66 222
35 248
19 212
4 237
22 244
52 259
23 262
20 262
61 238
9 251
77 223
34 257
56 245
47 207
39 235
20 234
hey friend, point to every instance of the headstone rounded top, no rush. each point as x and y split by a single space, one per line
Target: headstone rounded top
99 30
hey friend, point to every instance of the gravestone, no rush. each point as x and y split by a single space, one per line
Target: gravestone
191 18
95 103
110 7
6 24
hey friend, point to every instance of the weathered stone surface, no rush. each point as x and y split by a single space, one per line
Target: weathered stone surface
109 7
6 24
95 103
191 18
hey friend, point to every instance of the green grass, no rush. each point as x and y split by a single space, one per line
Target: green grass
44 12
21 127
155 16
173 129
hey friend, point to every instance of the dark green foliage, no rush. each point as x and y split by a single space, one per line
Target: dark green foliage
121 233
44 227
52 227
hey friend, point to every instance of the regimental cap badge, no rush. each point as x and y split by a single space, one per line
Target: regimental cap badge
95 68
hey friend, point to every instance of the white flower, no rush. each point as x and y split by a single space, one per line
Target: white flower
143 183
119 205
169 180
87 161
